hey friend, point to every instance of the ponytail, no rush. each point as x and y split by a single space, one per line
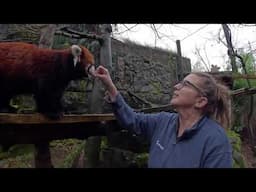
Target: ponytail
218 104
222 112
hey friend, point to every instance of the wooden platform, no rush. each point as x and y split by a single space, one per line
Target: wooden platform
28 119
36 128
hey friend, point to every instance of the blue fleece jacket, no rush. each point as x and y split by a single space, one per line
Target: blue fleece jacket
205 145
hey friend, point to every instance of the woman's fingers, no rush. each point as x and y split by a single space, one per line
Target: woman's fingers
101 70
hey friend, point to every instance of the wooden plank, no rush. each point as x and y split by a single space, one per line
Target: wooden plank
40 133
243 91
10 118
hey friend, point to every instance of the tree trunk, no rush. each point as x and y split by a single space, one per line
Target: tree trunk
231 52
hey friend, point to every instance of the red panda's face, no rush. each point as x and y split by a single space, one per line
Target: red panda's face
83 59
87 61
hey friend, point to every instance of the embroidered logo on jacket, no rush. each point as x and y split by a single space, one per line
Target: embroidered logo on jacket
159 145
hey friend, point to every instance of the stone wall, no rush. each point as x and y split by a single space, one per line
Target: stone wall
148 73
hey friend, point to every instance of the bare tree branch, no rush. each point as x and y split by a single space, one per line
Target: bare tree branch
247 25
197 52
205 53
194 32
164 35
67 34
180 27
155 31
221 40
127 29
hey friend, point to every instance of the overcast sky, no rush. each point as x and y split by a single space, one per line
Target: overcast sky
192 36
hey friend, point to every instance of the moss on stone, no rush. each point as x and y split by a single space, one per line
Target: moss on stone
157 90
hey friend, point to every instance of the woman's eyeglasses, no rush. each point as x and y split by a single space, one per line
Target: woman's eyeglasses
189 84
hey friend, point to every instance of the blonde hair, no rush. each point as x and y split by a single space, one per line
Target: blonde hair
218 99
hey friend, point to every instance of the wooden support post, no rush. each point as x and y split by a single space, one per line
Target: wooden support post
92 148
179 67
43 155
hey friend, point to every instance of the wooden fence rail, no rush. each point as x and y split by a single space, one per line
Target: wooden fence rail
243 91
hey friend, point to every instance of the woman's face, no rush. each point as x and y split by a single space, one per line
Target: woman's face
187 92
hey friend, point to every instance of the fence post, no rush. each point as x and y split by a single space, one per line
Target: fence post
43 155
92 148
179 66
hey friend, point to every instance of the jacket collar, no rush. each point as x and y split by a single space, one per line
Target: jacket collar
188 133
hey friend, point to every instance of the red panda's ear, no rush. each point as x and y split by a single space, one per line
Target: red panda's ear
76 52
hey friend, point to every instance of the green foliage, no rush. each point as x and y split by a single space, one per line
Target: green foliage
21 161
74 97
64 142
142 159
104 142
61 42
74 154
83 85
17 150
235 140
242 83
249 61
18 156
23 103
21 149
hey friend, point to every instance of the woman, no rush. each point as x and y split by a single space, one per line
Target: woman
191 138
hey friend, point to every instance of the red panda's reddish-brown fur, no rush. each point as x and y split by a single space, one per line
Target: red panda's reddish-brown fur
25 68
17 58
